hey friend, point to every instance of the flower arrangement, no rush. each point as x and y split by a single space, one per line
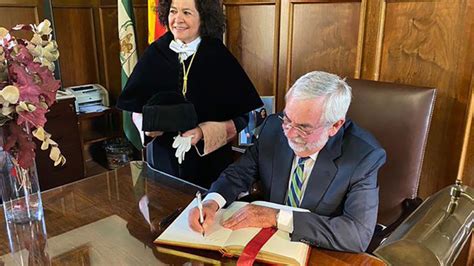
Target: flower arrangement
27 90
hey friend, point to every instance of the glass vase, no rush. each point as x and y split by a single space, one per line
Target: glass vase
28 244
20 189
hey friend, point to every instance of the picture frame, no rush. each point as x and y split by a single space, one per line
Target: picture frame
249 134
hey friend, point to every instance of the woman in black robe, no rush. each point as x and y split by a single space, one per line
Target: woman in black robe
191 59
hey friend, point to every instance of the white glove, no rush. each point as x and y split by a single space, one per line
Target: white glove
182 145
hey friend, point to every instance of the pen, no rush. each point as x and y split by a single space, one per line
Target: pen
199 205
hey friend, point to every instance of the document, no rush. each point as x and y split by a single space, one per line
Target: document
278 249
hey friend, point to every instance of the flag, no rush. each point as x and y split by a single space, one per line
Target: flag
155 29
128 60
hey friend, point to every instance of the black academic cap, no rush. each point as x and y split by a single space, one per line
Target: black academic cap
168 111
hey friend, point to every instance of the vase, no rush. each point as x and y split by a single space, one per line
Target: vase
28 243
20 189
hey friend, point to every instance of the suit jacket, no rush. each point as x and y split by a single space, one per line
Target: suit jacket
342 192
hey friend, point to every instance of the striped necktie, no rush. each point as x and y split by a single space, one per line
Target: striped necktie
297 179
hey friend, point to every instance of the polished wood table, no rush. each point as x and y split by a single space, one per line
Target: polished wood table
112 219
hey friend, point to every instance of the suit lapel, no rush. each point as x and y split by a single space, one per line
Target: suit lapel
281 167
323 172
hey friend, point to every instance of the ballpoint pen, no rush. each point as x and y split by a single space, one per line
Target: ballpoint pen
199 205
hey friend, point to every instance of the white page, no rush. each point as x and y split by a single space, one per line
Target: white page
179 231
280 243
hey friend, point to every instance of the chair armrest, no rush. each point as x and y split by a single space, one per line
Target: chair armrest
381 232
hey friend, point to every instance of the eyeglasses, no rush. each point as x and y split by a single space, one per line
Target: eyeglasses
302 131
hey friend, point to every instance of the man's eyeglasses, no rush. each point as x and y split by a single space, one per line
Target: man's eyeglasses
302 130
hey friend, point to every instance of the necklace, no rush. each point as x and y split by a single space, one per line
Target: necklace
185 74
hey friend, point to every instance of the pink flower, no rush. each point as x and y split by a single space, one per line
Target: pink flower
27 90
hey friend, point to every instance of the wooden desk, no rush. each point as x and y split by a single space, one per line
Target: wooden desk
97 221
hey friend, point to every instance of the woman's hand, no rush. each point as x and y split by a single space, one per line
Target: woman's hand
153 133
196 133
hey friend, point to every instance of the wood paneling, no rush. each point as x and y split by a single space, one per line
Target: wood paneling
425 44
11 16
319 35
19 12
324 37
251 37
77 45
141 27
111 46
110 51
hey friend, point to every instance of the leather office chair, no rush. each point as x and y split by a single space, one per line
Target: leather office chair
399 117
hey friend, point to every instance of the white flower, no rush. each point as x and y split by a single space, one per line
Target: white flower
9 94
3 66
37 40
44 28
25 107
3 34
51 51
45 55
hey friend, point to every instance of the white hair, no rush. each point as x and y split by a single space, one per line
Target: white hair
316 84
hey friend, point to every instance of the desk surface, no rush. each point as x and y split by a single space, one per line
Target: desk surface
105 220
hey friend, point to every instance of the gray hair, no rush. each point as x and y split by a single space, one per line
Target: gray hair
322 84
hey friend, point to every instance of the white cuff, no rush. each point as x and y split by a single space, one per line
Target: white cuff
137 119
285 221
217 198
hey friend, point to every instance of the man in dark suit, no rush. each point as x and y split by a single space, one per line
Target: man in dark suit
310 157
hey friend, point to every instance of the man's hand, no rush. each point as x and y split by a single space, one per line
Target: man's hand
252 216
196 133
209 209
153 133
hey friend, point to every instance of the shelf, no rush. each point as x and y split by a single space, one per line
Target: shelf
94 137
85 116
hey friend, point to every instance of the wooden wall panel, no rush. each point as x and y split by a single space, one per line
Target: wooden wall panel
141 27
77 44
325 37
424 44
251 38
110 51
11 16
111 46
20 12
319 35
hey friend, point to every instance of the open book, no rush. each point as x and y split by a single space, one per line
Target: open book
278 249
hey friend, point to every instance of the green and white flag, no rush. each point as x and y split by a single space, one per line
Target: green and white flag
128 60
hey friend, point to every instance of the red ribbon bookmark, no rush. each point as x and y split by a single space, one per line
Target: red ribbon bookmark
253 247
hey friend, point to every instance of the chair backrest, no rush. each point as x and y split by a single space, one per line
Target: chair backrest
399 117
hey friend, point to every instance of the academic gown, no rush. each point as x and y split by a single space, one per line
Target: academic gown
217 86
